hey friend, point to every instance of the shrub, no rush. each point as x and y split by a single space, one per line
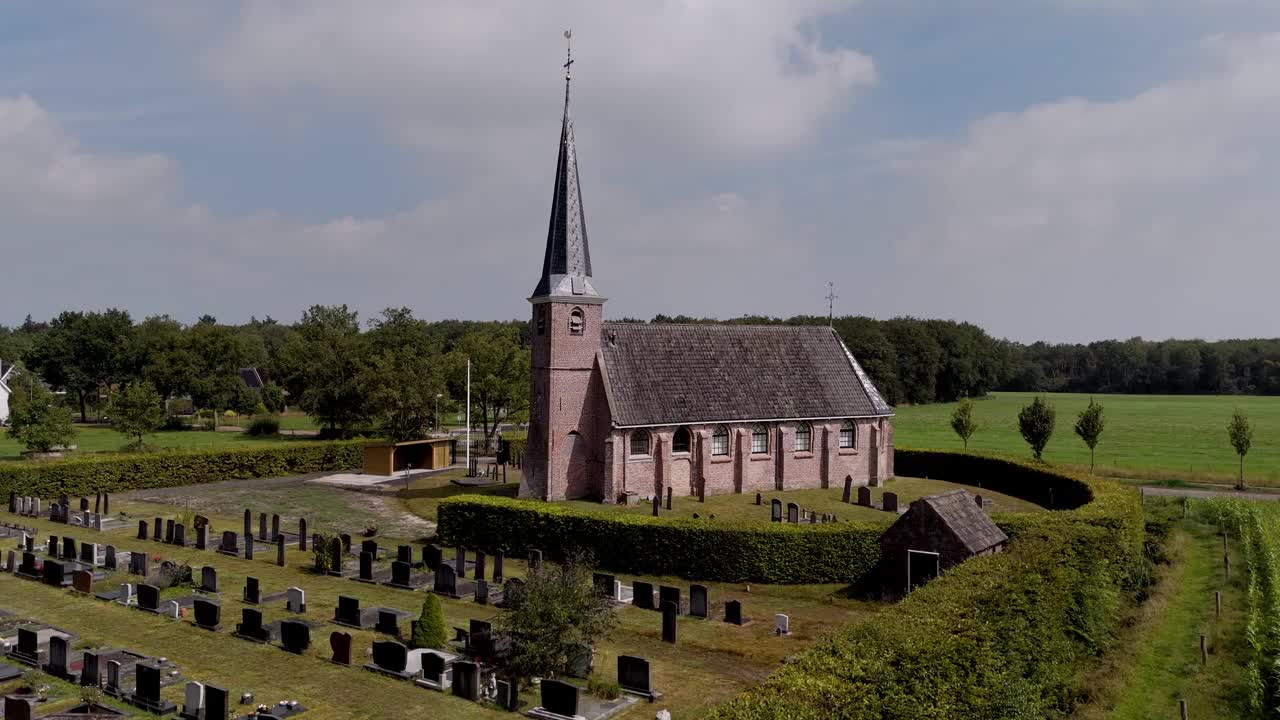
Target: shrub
262 425
117 473
428 629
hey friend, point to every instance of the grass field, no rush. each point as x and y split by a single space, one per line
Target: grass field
99 439
1147 436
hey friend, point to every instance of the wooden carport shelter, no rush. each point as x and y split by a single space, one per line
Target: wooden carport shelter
390 458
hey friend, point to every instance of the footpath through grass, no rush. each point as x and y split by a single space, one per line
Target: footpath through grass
1147 436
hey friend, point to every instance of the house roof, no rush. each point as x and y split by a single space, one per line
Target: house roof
961 514
658 374
251 377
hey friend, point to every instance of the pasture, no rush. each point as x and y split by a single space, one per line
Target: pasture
1150 437
102 439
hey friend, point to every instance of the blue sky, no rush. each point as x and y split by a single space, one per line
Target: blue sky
1056 169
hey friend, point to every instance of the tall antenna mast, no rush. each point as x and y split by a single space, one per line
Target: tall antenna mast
831 304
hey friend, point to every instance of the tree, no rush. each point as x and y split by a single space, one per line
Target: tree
273 397
555 619
137 411
962 421
82 352
1241 433
400 387
325 359
1089 426
428 629
38 420
1035 422
499 376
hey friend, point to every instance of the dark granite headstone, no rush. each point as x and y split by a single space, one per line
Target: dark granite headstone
28 565
335 557
142 529
90 670
559 697
54 573
657 506
733 612
848 489
370 546
148 597
84 504
295 636
482 592
603 584
889 502
775 510
535 559
433 667
466 680
633 675
864 496
68 548
698 605
497 566
230 543
18 708
404 554
280 559
793 513
340 643
275 526
346 542
432 557
179 534
302 534
28 650
445 582
400 572
669 613
217 702
508 695
252 593
390 655
89 553
168 531
248 546
248 524
147 683
481 562
209 579
202 537
348 611
251 625
460 562
262 527
52 546
366 566
642 595
208 614
668 594
57 665
138 563
388 623
109 558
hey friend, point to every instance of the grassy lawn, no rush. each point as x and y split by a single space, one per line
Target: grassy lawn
1156 661
712 662
1151 436
99 438
743 507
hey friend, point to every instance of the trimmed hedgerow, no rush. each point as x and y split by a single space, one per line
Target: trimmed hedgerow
995 637
698 549
118 473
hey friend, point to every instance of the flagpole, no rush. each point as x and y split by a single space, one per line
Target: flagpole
468 414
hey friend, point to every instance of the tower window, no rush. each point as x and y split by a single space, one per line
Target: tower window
759 440
541 319
640 442
575 322
804 438
848 435
680 442
720 441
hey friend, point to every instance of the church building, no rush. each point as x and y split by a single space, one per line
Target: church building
620 408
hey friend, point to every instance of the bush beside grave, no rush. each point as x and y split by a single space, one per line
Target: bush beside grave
697 549
997 636
118 473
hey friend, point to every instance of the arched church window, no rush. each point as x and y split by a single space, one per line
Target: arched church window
720 441
848 435
804 438
576 322
680 441
640 442
759 439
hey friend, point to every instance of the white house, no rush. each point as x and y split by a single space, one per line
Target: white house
4 392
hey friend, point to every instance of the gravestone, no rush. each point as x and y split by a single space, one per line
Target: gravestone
633 675
209 579
848 489
248 546
54 573
482 592
146 693
295 636
302 534
252 592
668 497
480 637
126 594
113 678
90 674
142 529
864 496
28 649
335 557
11 563
89 553
460 562
445 582
433 667
180 535
400 574
793 513
977 499
404 554
668 594
262 527
390 655
535 559
698 601
18 707
481 562
559 697
642 595
781 624
193 700
202 537
733 612
248 524
466 680
109 561
280 550
669 613
148 597
106 503
275 526
340 643
82 581
57 665
510 590
506 695
84 504
603 584
171 609
230 543
296 600
347 612
775 510
157 528
138 564
889 502
217 703
346 542
656 506
759 499
52 546
13 501
497 566
68 548
250 626
388 623
208 614
371 547
168 531
366 566
432 557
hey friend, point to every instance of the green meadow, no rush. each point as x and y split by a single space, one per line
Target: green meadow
1147 436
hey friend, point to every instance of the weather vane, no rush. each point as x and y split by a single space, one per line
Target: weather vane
568 41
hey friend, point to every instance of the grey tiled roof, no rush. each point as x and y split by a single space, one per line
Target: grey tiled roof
671 374
969 522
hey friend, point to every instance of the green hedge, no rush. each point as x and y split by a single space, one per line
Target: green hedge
995 637
697 549
1035 483
118 473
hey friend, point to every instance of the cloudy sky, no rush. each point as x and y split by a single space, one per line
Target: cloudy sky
1056 169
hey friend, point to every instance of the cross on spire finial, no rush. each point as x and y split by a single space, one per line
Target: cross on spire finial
568 35
831 304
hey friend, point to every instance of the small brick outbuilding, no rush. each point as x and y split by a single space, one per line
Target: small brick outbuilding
935 533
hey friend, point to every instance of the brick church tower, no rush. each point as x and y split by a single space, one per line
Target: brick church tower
568 411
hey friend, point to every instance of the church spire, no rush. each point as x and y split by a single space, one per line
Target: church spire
566 267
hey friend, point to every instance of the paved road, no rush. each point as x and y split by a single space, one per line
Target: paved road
1192 493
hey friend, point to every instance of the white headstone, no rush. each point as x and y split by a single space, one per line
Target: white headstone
126 594
297 600
22 505
782 624
663 715
170 609
194 699
35 507
617 590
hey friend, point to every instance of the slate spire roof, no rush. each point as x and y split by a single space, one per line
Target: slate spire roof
566 267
